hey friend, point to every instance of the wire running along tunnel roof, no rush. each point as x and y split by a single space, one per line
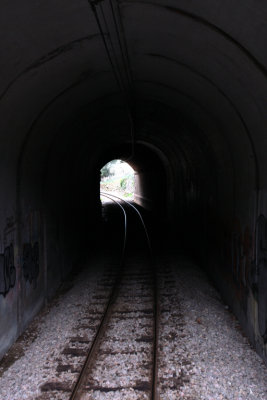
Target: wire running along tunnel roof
177 85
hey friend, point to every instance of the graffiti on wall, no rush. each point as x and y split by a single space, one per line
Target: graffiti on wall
261 274
238 257
241 252
7 270
31 262
236 253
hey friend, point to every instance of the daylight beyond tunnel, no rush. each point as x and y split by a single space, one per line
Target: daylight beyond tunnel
178 91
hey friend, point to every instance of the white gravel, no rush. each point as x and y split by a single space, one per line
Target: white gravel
123 367
203 354
37 366
210 350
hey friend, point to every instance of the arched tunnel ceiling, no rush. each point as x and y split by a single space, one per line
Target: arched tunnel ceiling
177 88
206 61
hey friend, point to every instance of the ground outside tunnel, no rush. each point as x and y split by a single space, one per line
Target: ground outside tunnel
202 351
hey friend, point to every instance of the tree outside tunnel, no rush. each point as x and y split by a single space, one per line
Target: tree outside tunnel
184 85
118 177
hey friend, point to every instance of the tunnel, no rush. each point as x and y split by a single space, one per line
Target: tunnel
175 88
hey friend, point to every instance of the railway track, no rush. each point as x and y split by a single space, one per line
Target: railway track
188 365
121 359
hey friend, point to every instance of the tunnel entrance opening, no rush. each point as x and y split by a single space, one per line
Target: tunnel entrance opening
146 178
117 178
147 182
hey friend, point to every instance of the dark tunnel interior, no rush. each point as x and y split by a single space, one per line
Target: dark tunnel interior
178 92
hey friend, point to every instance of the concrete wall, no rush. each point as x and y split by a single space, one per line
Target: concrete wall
190 94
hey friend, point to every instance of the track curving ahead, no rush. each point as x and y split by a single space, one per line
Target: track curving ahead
81 387
115 198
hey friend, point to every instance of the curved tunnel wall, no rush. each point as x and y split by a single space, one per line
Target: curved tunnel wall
198 85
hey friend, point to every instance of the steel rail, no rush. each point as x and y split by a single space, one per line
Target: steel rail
140 216
125 226
76 391
154 393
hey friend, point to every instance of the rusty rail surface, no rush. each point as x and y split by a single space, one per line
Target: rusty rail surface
78 388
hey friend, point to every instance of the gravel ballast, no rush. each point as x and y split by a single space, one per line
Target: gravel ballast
202 352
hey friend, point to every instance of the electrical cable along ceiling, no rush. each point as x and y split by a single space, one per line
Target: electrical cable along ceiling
117 52
175 85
